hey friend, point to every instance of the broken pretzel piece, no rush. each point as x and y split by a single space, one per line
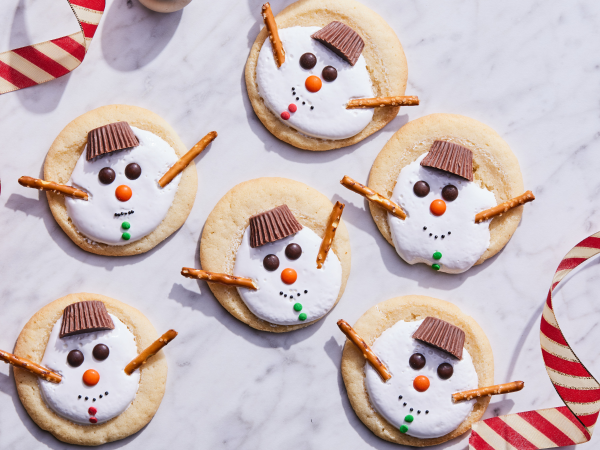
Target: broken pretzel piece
332 225
36 183
34 368
489 390
377 102
222 278
504 207
373 196
186 159
278 51
375 362
152 350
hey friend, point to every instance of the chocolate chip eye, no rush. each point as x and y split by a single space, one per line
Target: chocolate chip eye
106 175
445 371
271 262
329 73
417 361
75 358
101 352
421 188
449 193
293 251
133 171
308 61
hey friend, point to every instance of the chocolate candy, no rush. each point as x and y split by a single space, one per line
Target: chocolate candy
133 171
445 371
417 361
85 317
75 358
106 175
449 193
298 307
308 61
442 335
421 188
329 73
342 40
293 251
451 158
101 352
272 225
302 316
110 138
271 262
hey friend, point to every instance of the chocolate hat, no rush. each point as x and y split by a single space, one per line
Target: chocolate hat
442 335
272 225
110 138
342 40
85 317
451 158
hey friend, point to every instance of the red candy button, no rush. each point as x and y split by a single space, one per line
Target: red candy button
293 108
93 420
92 411
285 115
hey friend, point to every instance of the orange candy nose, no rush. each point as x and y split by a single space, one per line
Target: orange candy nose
438 207
421 383
313 83
289 276
91 377
123 193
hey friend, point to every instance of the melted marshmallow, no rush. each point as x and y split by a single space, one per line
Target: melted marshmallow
323 285
329 119
464 240
394 347
96 218
63 398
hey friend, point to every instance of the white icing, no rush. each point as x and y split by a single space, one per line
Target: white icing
467 240
63 398
394 347
96 219
323 285
329 119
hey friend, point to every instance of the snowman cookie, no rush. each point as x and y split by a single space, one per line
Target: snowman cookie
320 55
117 180
445 191
428 350
277 254
87 348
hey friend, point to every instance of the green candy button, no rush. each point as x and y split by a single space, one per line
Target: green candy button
302 316
297 307
437 255
127 226
126 236
403 429
409 418
435 266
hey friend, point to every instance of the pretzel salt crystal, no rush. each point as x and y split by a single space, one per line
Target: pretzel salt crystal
506 388
186 159
34 368
373 196
332 225
278 51
222 278
152 350
377 102
504 207
384 373
36 183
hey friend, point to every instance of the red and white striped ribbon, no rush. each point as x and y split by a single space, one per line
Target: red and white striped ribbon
554 427
38 63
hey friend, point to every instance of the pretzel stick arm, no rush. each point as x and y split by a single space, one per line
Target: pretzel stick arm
278 51
34 368
489 390
382 101
504 207
373 197
149 352
222 278
332 225
42 185
186 159
365 349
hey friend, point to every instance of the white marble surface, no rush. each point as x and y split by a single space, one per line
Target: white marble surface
529 69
